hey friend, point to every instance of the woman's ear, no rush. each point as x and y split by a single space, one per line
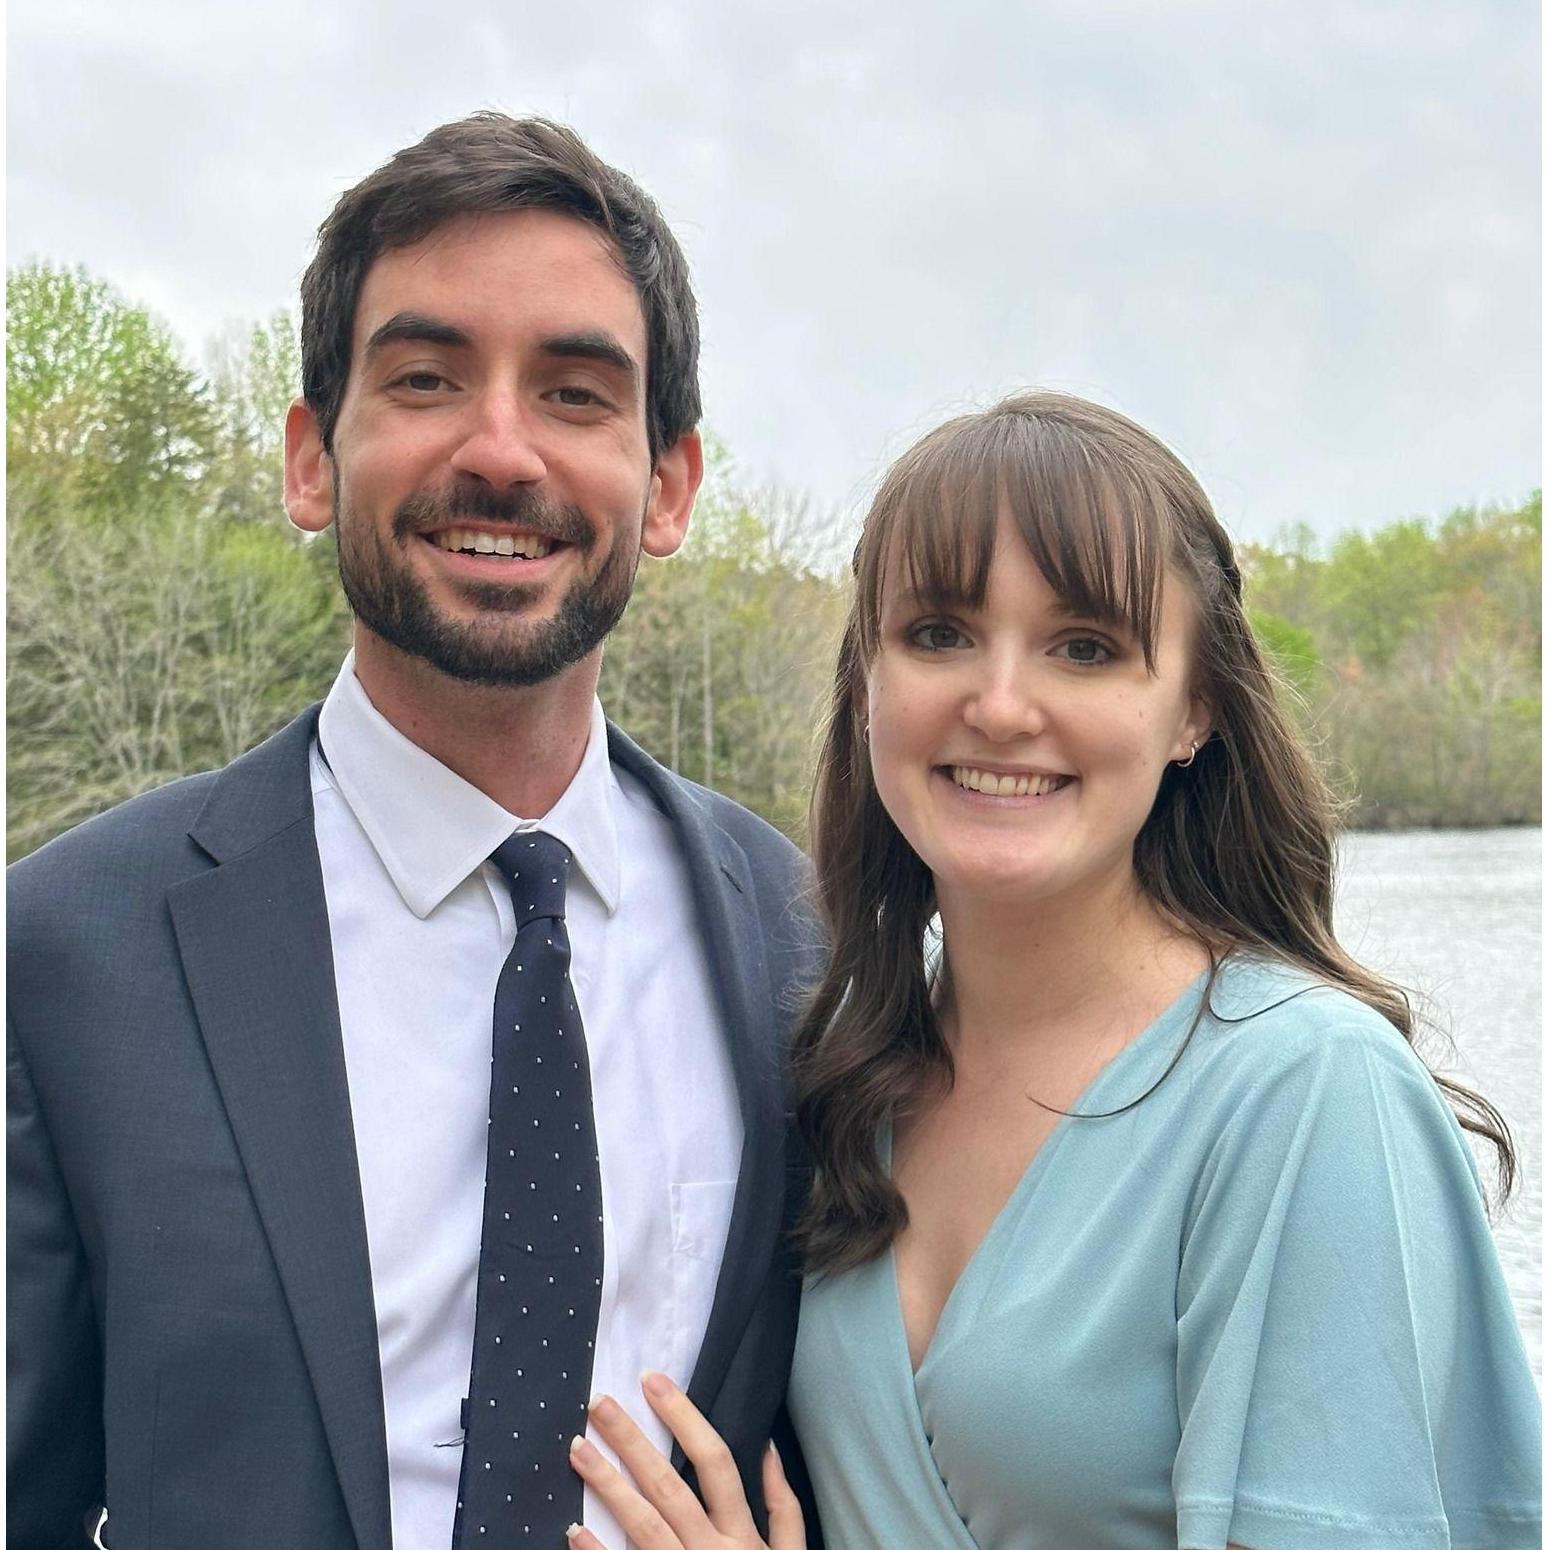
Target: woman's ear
1197 728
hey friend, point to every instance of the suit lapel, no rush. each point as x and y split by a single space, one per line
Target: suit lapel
253 933
735 946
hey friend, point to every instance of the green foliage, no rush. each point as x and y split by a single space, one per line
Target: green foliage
99 399
722 661
164 642
254 376
156 625
163 618
1420 662
1291 649
1380 589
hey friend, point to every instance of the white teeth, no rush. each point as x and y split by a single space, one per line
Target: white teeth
972 779
529 545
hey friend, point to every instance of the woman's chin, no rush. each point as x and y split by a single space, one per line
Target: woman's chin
998 881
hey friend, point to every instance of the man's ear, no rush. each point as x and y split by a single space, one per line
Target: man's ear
674 483
309 471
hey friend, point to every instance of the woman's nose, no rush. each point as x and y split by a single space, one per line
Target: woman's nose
1004 702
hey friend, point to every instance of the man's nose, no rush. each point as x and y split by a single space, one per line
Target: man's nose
1004 703
501 447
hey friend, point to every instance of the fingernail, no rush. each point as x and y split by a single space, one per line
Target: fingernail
656 1383
582 1450
573 1531
604 1406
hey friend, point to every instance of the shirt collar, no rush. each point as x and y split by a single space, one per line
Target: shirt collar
430 827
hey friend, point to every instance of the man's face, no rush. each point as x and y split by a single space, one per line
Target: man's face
490 473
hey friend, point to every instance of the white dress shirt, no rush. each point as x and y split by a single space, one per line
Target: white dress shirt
421 925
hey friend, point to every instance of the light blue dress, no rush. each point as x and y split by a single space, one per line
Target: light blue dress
1263 1306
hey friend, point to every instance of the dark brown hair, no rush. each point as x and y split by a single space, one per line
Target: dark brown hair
1238 849
481 164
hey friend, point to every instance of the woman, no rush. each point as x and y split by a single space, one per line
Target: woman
1136 1221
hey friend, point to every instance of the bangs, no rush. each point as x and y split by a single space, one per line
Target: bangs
1095 527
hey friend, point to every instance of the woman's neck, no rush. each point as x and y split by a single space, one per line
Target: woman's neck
1083 971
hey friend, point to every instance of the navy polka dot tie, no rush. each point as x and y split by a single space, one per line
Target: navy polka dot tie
541 1255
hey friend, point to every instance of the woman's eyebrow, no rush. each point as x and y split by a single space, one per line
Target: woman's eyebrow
924 598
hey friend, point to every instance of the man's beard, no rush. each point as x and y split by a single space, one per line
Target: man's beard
392 602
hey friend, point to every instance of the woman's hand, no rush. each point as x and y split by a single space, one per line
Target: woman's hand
660 1512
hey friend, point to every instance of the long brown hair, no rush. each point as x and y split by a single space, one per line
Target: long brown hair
1238 848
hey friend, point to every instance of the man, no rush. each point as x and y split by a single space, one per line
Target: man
288 1263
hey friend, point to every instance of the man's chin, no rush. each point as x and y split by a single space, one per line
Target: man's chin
497 634
494 651
467 602
501 658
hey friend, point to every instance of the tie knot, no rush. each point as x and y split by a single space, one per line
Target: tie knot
536 867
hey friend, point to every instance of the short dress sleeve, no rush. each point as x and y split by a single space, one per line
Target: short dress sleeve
1349 1369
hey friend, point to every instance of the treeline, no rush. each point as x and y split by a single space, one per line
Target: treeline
1415 655
163 616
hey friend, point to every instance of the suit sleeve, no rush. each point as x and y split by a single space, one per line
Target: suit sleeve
54 1432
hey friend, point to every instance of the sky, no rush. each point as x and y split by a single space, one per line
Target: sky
1298 240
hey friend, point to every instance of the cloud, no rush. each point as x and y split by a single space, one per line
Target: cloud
1299 240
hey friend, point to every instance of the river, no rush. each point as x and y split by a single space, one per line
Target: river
1455 915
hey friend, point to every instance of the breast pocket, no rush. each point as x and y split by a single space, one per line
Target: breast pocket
701 1214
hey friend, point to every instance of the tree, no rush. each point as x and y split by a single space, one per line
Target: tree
1291 649
254 376
723 661
142 649
99 398
1380 589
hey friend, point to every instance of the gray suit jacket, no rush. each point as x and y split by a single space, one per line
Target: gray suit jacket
192 1338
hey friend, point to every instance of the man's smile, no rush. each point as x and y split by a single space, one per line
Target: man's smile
467 540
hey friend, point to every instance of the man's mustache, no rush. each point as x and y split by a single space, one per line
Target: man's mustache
520 507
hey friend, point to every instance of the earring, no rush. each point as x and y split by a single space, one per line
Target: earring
1194 748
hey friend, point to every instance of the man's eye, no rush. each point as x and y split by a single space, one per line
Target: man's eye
936 636
577 397
422 381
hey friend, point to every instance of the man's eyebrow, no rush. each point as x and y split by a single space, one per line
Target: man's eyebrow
418 328
592 344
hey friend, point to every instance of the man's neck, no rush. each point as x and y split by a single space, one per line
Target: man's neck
520 746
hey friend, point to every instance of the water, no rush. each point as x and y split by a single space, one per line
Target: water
1455 914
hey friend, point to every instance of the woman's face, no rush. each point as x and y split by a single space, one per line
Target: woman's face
1019 748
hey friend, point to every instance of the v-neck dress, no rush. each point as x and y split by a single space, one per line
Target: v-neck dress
1262 1306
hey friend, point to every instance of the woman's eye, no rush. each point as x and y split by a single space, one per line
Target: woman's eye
1086 651
936 636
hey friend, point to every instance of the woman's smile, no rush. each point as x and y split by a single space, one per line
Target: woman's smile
1002 787
1018 746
